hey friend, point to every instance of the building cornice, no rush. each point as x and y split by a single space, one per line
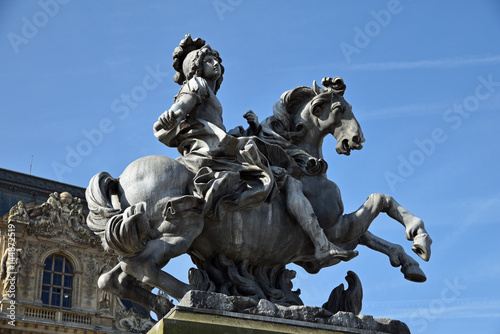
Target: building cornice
17 181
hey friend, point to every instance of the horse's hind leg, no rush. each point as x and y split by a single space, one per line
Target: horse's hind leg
396 254
121 284
144 267
352 226
178 235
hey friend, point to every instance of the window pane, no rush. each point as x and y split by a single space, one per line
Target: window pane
45 294
56 297
68 281
67 302
48 263
46 277
67 267
57 279
45 297
67 298
58 263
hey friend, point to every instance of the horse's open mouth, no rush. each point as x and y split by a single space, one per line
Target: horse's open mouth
344 147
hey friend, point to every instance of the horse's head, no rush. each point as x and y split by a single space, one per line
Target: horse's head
303 116
330 113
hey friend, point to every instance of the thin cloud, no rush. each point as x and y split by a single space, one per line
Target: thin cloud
425 64
446 63
410 110
461 308
414 110
483 209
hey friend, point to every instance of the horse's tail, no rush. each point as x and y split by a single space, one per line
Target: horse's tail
98 195
121 230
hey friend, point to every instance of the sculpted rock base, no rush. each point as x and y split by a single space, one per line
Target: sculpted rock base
251 305
222 275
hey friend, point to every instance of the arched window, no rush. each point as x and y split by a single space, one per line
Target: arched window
57 285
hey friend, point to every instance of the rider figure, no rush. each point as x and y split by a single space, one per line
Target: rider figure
227 168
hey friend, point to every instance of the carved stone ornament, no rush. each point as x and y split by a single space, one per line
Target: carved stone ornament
242 203
61 214
131 319
18 213
10 267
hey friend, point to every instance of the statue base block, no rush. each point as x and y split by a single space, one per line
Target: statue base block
181 320
210 312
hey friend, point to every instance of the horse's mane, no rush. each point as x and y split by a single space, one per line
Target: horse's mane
279 128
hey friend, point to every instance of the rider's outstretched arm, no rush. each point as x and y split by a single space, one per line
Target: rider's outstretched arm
167 121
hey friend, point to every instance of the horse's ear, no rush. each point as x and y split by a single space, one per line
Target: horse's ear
317 89
317 106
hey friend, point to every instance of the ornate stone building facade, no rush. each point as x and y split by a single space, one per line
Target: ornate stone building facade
15 187
50 264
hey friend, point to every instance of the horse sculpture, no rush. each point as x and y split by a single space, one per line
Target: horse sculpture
241 252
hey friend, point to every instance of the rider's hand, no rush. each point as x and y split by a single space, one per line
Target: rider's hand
252 120
169 119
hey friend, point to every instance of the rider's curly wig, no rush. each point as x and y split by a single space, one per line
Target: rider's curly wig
188 60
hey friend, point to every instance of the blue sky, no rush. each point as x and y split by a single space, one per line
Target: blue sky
83 82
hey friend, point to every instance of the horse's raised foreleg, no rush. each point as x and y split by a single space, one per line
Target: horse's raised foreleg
353 225
397 256
122 285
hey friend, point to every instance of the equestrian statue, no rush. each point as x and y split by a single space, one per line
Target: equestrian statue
242 203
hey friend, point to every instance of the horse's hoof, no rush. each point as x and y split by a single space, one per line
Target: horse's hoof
349 255
333 257
413 273
422 246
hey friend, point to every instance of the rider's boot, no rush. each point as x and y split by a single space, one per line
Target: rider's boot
301 209
325 251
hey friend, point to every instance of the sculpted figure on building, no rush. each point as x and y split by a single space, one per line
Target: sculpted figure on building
61 214
19 210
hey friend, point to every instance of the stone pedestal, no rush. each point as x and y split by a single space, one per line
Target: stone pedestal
181 320
210 312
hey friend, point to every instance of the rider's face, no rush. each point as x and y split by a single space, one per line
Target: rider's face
211 68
